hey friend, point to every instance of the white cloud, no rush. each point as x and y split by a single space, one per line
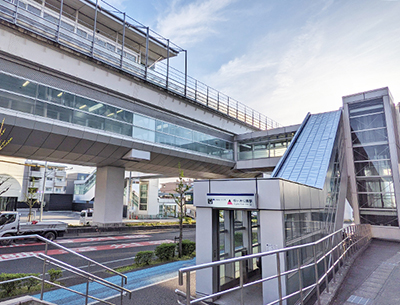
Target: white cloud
190 23
342 49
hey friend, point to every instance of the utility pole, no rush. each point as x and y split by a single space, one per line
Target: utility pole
43 189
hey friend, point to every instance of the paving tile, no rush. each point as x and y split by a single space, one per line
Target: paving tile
358 300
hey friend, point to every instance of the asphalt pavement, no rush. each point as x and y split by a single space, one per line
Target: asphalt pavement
72 217
154 285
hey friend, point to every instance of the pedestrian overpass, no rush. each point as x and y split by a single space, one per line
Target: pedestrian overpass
82 85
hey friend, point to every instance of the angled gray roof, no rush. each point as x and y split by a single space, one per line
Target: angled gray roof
307 159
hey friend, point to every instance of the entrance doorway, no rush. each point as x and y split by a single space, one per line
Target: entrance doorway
238 236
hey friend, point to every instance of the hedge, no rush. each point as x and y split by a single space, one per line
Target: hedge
165 251
11 287
144 257
188 247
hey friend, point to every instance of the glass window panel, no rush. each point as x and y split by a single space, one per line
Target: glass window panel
375 185
368 122
386 220
144 134
184 143
41 109
123 115
34 10
108 111
377 200
17 85
144 122
277 149
56 96
214 151
245 151
202 148
369 136
81 33
118 127
67 26
165 139
68 99
85 104
373 152
373 106
88 120
50 18
373 168
110 47
16 102
59 113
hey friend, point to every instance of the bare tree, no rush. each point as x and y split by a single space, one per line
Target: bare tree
3 143
3 187
181 188
30 201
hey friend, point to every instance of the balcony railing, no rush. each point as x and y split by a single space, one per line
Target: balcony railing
56 25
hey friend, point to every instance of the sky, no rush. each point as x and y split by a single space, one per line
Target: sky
283 58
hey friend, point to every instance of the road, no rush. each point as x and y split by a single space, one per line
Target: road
110 250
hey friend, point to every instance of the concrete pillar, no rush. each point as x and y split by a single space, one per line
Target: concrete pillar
204 251
272 238
108 203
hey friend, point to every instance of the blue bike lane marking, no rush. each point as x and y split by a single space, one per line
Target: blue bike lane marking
136 280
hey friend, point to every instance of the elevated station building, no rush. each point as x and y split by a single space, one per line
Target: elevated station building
349 154
82 85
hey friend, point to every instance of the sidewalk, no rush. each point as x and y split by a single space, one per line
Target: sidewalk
374 277
152 279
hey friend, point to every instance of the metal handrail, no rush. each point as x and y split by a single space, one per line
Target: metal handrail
85 274
82 273
339 245
56 285
162 76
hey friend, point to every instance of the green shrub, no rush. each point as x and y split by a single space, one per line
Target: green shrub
165 251
29 283
12 286
188 247
9 289
54 274
144 257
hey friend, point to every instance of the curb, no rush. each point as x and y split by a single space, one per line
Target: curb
98 230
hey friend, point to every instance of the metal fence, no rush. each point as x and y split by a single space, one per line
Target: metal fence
55 24
328 254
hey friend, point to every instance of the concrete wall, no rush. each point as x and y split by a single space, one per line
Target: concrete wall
13 170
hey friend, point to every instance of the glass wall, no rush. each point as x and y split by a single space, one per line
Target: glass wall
33 98
372 163
144 189
238 236
266 147
306 226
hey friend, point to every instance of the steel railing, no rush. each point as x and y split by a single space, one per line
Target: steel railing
89 277
49 22
329 253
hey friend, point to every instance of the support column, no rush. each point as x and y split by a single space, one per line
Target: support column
204 251
272 238
108 203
